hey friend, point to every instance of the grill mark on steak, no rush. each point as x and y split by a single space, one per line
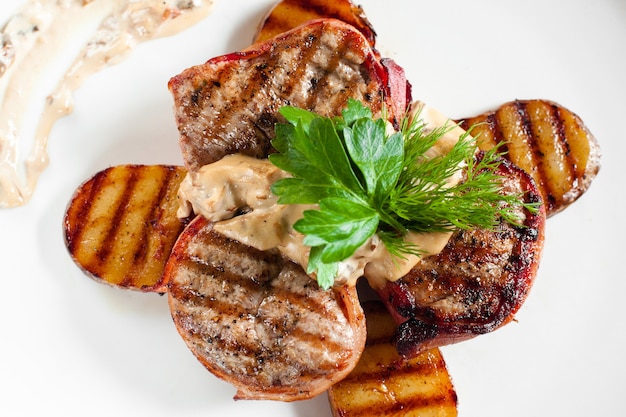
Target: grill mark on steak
235 262
322 82
296 69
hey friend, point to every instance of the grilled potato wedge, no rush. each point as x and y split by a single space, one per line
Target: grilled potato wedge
548 141
287 14
385 384
121 224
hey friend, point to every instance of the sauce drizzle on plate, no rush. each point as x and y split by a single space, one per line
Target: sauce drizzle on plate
43 36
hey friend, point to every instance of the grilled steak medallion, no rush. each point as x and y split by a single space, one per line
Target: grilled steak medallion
475 285
230 104
256 320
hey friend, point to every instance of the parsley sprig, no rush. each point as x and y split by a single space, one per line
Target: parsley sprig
368 181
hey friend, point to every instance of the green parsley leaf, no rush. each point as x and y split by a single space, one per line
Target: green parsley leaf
339 227
380 161
355 111
294 115
325 272
312 151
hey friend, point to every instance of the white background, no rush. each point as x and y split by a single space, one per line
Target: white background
70 346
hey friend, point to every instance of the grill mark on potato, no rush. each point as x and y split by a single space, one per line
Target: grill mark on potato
422 403
148 239
101 258
496 134
534 152
536 126
487 130
558 164
559 121
573 163
100 196
401 367
79 211
127 192
513 121
322 8
128 231
579 148
279 23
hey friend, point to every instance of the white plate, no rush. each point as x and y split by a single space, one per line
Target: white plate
72 346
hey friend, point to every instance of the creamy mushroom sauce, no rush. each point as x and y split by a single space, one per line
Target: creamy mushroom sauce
234 192
44 31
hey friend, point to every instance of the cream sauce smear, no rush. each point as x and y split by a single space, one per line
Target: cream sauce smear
40 70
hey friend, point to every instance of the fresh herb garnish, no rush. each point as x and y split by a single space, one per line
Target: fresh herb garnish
368 181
